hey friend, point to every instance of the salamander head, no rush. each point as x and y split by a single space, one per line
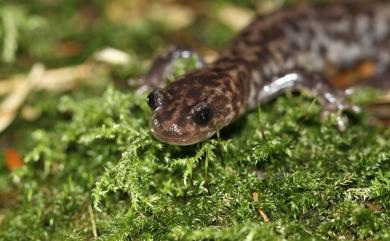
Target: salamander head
187 114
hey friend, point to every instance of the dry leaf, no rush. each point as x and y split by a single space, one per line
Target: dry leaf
29 113
209 55
124 12
14 160
235 17
375 207
112 56
269 6
173 16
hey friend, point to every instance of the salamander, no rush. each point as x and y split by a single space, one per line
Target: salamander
286 50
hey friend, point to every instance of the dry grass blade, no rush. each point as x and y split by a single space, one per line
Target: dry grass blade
10 106
66 78
384 99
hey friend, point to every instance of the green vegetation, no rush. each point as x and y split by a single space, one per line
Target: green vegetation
91 164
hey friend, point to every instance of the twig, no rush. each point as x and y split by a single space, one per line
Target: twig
263 215
61 79
7 86
92 216
10 106
255 196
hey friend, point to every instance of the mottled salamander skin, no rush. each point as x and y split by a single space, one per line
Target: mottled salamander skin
288 49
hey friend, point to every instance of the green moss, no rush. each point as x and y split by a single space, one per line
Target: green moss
320 185
91 150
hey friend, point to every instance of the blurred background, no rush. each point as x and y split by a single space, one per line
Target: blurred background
59 32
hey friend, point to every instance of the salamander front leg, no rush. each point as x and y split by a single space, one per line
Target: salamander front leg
331 100
162 67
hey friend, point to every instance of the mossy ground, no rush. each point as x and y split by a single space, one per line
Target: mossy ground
92 165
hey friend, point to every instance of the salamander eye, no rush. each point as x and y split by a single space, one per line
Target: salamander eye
155 99
202 114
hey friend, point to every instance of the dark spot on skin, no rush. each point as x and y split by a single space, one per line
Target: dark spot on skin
168 114
194 93
323 50
273 34
293 45
181 120
236 102
245 34
293 24
226 86
167 133
263 55
311 32
251 41
243 88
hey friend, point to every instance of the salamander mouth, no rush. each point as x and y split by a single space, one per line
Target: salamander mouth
178 136
182 140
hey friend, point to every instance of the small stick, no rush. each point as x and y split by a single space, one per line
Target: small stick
10 106
92 221
60 79
255 196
